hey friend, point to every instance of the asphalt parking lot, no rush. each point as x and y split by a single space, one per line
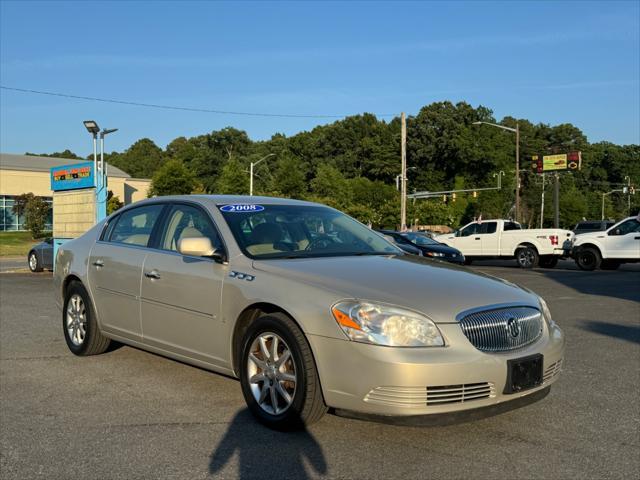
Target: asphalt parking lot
131 414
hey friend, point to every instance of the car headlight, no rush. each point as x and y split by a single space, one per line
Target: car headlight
386 325
545 311
435 254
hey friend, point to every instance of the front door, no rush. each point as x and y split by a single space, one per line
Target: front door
468 241
115 267
181 294
623 241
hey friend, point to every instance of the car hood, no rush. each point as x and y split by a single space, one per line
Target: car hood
439 290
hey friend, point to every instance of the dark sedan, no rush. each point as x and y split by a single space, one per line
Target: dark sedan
41 256
428 246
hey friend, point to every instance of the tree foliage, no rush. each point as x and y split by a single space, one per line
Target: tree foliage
172 178
35 211
352 164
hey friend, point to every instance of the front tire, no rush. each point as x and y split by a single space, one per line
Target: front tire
527 257
588 259
278 374
34 262
79 323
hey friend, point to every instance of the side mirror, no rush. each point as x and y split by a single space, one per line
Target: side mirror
198 247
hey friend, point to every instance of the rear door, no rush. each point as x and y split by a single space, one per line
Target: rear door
115 268
181 294
489 239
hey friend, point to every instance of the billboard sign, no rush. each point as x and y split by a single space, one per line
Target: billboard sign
72 177
556 162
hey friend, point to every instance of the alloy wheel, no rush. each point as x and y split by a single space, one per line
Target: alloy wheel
76 320
33 262
272 373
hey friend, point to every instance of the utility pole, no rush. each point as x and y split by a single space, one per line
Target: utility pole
518 172
556 201
628 195
542 205
403 173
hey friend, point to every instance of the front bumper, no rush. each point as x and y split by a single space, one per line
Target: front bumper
390 381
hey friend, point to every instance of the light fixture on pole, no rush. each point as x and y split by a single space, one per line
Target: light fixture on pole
93 128
253 164
517 132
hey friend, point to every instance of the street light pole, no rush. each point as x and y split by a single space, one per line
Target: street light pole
403 178
517 132
253 164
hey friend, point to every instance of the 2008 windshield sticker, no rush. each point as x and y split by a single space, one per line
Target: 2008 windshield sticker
242 208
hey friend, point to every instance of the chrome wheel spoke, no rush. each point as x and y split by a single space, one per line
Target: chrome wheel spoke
76 320
283 392
271 373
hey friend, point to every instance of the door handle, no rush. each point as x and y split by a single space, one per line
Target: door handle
477 238
637 238
153 274
98 263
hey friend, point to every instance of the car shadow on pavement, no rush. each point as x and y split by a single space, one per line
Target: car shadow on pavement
624 284
265 453
630 333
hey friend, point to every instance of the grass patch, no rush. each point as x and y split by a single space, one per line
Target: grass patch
16 243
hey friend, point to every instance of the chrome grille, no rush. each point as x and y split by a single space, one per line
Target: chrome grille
502 329
412 397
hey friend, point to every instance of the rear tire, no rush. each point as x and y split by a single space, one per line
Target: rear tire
548 261
527 257
79 323
588 259
34 262
609 265
261 373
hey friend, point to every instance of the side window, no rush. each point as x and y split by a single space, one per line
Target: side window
511 226
487 227
186 221
134 226
469 230
629 226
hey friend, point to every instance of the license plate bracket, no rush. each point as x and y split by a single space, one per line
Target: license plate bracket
524 373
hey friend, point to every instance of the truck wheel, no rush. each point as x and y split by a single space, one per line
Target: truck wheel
527 257
609 265
588 259
278 374
548 261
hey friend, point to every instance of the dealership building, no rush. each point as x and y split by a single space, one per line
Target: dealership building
21 174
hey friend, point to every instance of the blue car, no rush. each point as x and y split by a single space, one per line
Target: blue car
41 256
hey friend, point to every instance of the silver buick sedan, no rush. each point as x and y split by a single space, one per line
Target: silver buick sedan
309 308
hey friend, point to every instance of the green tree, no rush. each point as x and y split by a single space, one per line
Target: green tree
172 179
35 211
290 177
140 160
234 179
113 203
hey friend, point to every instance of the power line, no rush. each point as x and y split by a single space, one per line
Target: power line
174 107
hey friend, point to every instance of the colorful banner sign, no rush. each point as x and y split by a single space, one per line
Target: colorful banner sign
72 177
557 162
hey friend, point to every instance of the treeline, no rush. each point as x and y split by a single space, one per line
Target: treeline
353 164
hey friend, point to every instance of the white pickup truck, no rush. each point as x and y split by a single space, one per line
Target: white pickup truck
609 249
506 239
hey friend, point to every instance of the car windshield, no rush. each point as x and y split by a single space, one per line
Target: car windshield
421 240
301 231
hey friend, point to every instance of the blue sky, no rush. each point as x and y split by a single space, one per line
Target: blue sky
550 62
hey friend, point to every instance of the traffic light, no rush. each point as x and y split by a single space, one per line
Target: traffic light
475 194
453 197
444 198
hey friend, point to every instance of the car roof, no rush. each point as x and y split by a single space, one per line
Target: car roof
226 200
